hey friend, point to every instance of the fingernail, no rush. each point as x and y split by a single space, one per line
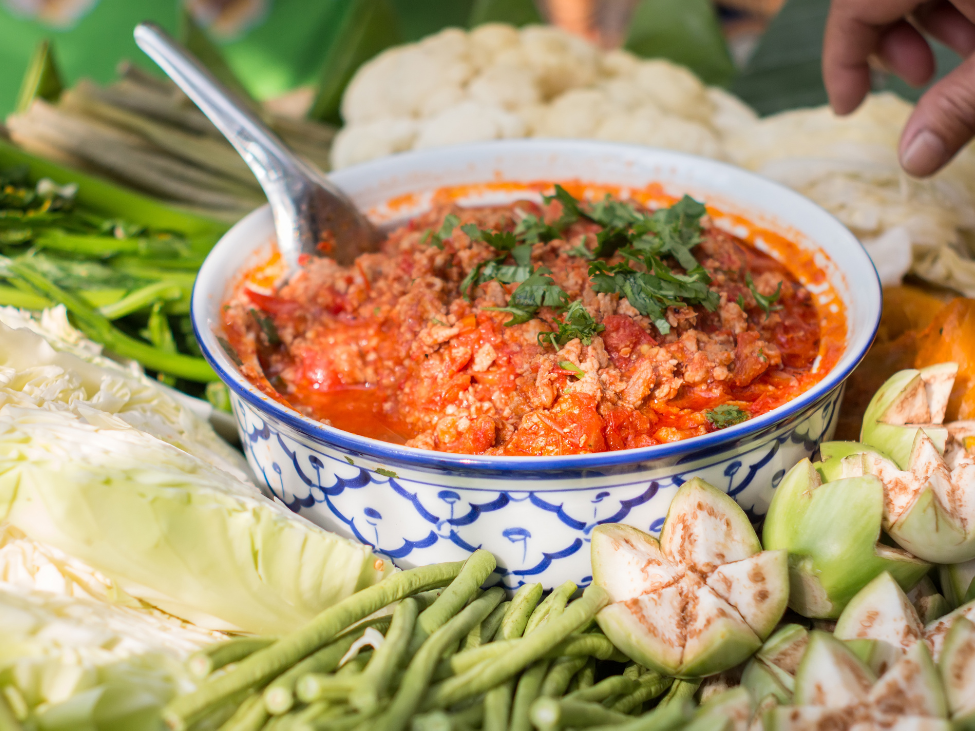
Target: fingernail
924 154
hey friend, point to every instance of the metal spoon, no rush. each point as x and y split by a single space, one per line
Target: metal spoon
311 216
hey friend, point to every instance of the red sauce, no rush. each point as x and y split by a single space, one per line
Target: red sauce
390 349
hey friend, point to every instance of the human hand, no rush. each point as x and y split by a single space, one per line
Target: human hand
891 31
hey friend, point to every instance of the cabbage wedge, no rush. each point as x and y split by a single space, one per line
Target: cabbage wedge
168 526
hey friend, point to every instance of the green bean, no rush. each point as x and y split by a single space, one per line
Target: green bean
611 686
681 690
279 694
433 721
215 656
649 686
386 660
587 676
485 631
519 612
270 662
468 582
662 718
415 681
140 298
251 715
550 714
8 721
529 685
560 674
709 722
553 604
328 721
316 712
497 706
594 645
632 671
488 674
321 687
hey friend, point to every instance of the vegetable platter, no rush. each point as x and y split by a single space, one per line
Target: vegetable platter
146 583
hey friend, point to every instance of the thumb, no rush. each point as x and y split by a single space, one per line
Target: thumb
942 123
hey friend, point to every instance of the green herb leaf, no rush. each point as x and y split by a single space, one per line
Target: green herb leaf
385 473
725 415
571 210
581 251
576 323
349 460
450 222
767 304
519 315
567 365
534 230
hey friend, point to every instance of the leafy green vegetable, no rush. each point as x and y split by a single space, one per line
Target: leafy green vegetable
576 323
568 365
446 229
767 304
725 415
171 525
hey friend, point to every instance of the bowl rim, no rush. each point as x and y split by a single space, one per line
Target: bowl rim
429 459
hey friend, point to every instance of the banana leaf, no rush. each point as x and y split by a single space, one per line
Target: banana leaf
199 44
785 70
515 12
114 202
42 79
365 28
685 32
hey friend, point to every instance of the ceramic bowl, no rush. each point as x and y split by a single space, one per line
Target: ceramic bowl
534 513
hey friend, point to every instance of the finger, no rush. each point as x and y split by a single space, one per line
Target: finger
946 23
904 52
942 122
853 31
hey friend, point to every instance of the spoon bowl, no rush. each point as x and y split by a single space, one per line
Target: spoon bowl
312 217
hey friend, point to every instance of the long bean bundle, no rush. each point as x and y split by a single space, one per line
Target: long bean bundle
460 659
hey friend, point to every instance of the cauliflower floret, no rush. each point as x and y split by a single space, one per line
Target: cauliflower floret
561 61
468 122
675 89
649 126
361 142
576 113
397 83
489 40
505 85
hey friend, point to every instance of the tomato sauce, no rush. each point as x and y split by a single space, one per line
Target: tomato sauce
391 348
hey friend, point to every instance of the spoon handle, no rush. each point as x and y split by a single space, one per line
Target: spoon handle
261 149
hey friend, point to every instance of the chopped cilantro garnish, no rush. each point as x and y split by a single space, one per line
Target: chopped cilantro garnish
385 473
766 303
534 230
725 415
229 350
582 251
571 210
538 290
568 365
267 327
576 323
450 222
741 301
349 460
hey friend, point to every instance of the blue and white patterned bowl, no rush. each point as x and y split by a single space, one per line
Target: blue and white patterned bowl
535 514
